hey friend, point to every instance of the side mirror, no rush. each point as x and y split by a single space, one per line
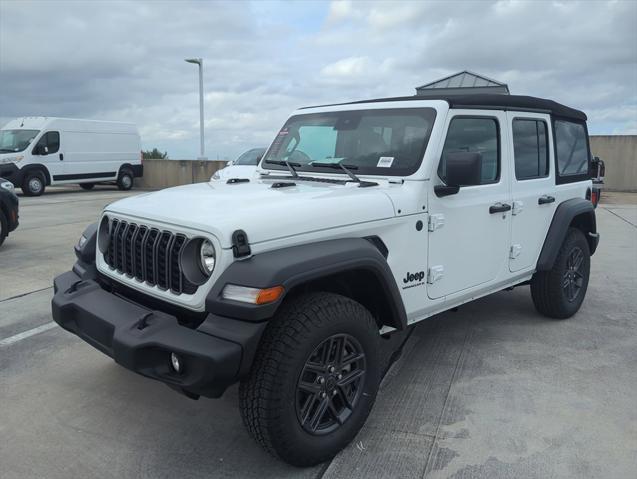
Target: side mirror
462 168
40 150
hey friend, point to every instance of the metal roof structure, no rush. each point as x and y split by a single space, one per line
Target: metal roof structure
462 83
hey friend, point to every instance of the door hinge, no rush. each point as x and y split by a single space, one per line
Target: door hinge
515 251
518 206
436 222
435 273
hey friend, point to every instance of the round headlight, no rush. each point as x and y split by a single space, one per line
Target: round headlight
207 257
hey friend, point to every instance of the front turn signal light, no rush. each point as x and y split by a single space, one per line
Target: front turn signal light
245 294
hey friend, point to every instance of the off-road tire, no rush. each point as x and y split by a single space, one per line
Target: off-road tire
87 186
4 227
125 179
550 296
268 396
29 182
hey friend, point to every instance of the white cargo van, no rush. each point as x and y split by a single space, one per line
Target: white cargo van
40 151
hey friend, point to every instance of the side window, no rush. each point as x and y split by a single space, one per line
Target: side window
479 135
50 140
530 149
571 148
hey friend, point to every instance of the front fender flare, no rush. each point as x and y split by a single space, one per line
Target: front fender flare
296 265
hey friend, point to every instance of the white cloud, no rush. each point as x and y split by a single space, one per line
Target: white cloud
347 68
124 60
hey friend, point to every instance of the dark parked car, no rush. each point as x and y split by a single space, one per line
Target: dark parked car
8 209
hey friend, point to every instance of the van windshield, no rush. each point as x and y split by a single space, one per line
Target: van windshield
377 142
12 141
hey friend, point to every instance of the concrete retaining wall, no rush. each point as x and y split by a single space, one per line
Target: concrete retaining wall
165 173
619 153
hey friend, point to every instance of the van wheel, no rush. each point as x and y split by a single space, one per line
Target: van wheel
559 293
125 179
34 183
87 186
4 227
314 379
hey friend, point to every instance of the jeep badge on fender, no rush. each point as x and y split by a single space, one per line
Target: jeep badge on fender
414 277
285 282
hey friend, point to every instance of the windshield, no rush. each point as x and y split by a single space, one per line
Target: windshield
12 141
376 142
250 157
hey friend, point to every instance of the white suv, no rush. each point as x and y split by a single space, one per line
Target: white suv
367 217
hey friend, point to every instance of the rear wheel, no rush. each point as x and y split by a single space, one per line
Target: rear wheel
87 186
125 179
559 293
314 379
34 183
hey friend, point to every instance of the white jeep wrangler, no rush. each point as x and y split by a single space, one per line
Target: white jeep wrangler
367 217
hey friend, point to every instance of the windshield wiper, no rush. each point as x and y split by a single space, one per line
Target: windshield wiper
290 165
6 150
346 168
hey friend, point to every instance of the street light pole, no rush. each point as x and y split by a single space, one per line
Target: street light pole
199 61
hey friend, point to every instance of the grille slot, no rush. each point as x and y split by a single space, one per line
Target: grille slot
148 255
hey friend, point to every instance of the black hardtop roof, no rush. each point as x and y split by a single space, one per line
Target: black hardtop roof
489 102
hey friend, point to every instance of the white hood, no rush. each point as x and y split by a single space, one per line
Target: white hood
263 212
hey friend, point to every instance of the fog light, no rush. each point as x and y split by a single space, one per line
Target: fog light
175 362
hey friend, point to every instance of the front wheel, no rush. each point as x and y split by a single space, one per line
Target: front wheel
314 379
559 293
33 183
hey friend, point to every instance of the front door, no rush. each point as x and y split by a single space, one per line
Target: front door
532 186
48 152
471 229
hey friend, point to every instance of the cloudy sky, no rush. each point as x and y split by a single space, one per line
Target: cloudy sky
123 60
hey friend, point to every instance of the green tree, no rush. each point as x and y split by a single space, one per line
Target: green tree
154 154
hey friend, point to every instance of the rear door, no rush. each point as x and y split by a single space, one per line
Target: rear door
470 230
533 187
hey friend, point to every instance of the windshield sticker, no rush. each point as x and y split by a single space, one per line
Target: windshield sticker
385 162
283 132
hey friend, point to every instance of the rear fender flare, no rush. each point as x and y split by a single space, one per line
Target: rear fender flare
576 212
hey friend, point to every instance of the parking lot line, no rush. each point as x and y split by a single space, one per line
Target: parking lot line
26 334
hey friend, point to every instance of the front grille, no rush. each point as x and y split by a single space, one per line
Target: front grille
148 255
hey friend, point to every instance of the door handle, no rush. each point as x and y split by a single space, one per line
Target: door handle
61 157
546 199
499 208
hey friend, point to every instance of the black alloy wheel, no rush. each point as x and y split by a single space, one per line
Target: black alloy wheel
573 278
330 384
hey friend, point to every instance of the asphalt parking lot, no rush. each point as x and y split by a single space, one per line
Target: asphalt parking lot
492 390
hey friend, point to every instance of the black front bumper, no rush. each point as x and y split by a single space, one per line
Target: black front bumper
9 204
141 339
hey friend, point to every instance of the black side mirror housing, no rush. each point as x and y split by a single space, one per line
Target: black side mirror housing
41 150
463 168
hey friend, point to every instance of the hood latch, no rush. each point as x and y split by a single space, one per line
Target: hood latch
240 245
